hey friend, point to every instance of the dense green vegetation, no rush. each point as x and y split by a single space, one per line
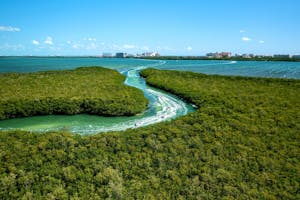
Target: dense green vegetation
235 58
92 90
242 143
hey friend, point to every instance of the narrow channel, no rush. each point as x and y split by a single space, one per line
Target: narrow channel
162 107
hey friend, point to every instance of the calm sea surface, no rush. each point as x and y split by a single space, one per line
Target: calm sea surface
242 68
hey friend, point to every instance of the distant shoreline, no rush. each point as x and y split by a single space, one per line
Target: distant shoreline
267 58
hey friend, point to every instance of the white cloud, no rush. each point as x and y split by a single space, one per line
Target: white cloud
189 48
91 39
9 28
69 42
48 41
129 46
242 31
35 42
261 41
75 46
246 39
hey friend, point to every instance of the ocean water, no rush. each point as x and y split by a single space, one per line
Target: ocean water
241 68
238 68
162 107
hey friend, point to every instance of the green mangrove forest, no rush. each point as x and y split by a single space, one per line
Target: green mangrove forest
92 90
241 143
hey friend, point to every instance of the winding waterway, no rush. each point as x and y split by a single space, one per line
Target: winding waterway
162 107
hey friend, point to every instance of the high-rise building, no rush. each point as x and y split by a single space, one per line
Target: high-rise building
281 56
219 55
296 56
121 55
225 54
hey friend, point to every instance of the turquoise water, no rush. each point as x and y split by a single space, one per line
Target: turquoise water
240 68
162 106
243 68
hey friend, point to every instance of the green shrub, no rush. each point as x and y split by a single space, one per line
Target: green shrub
92 90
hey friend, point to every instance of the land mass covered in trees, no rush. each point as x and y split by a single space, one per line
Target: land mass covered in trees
92 90
241 143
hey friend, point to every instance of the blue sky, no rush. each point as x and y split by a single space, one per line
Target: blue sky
171 27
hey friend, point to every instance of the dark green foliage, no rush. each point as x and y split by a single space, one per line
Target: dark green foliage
242 143
92 90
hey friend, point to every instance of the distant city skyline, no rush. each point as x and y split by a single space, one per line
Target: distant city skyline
191 27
